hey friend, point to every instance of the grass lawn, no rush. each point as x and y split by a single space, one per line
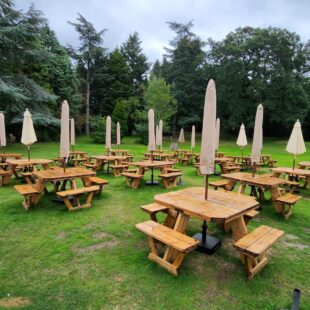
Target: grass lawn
96 259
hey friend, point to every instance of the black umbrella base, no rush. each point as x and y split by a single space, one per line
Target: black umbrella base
151 183
211 245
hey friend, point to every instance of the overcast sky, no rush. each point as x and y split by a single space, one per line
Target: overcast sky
212 18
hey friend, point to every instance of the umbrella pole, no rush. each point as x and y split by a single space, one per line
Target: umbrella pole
64 164
152 156
254 167
294 160
28 152
206 186
242 157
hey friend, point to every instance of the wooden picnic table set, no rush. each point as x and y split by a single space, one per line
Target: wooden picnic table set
168 174
226 208
60 177
158 156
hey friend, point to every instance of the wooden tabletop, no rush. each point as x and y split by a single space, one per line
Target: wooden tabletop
77 153
119 151
304 164
295 171
152 164
110 157
222 159
59 174
11 155
258 179
26 162
221 205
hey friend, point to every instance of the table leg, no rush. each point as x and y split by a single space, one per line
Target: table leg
238 227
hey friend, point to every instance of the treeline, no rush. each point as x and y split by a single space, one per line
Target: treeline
251 65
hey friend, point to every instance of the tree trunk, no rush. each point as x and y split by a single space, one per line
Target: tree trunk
87 103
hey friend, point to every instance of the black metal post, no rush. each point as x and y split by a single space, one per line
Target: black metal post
295 299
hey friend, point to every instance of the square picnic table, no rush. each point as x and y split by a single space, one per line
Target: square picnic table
156 164
77 157
158 156
102 159
296 172
304 165
119 152
260 181
221 207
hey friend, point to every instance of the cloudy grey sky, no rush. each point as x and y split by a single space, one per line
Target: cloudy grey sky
212 18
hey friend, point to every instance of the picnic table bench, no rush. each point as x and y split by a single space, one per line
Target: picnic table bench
182 244
287 200
253 248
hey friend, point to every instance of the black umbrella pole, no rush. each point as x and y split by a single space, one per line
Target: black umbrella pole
28 152
206 186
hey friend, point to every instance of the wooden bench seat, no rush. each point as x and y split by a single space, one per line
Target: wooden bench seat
90 190
29 193
197 166
170 179
94 166
175 240
219 183
118 169
253 248
5 176
132 170
97 181
284 204
132 179
27 176
168 170
77 161
250 215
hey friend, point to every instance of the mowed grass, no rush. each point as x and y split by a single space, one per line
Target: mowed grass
96 259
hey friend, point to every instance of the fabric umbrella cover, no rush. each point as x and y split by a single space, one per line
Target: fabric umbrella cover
207 152
217 133
64 130
160 134
108 133
72 132
151 144
118 134
157 135
257 144
242 140
193 137
2 130
28 134
181 136
296 144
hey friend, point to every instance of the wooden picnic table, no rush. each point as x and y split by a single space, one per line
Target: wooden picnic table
101 160
296 172
304 165
260 181
76 158
119 152
158 156
156 164
26 164
222 207
5 156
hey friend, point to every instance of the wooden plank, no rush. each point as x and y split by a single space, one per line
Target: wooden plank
170 237
78 191
288 198
26 189
153 207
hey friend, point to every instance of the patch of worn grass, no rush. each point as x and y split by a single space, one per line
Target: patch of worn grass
96 259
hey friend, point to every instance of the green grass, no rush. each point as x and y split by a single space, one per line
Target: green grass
96 259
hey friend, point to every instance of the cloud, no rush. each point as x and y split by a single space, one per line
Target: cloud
212 18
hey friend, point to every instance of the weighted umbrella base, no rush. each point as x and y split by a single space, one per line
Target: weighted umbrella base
211 245
151 183
61 201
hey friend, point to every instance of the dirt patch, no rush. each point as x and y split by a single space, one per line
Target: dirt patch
61 236
12 302
290 241
99 235
95 247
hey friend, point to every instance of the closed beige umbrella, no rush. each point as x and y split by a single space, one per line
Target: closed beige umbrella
208 244
72 133
28 134
157 136
160 134
217 134
193 138
242 140
181 136
108 134
296 144
257 143
207 152
64 132
2 130
151 144
118 134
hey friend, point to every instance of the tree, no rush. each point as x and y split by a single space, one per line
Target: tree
156 69
20 49
120 114
253 65
90 48
137 63
183 68
158 97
